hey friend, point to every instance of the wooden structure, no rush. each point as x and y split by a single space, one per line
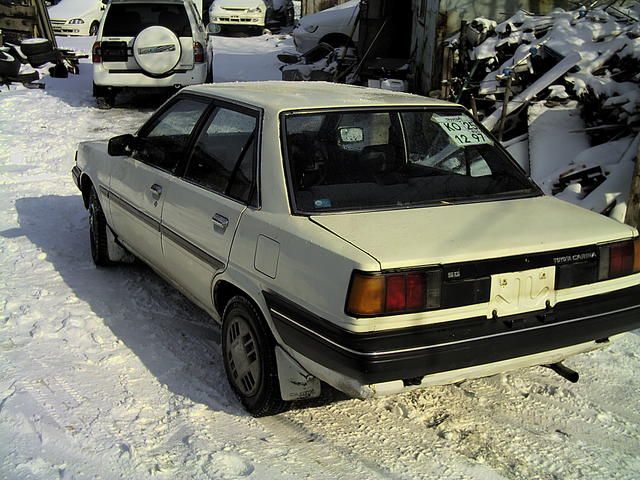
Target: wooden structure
21 19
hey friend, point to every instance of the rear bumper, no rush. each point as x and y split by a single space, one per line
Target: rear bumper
413 353
105 77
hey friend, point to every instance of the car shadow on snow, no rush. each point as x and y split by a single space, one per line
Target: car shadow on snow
175 340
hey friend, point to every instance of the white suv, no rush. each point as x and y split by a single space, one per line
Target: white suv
149 44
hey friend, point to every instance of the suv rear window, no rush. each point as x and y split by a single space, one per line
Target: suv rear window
129 19
376 160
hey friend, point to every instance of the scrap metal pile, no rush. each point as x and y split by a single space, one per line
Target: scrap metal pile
562 91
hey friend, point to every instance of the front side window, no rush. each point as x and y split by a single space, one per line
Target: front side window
129 19
224 156
368 160
164 143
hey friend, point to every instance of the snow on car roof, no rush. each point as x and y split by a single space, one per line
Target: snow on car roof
279 96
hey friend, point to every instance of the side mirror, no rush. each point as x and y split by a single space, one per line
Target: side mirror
349 135
105 2
121 145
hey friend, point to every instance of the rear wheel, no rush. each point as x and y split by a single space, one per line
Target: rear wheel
98 231
291 17
105 96
248 351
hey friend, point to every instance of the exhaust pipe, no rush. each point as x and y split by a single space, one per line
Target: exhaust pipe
564 372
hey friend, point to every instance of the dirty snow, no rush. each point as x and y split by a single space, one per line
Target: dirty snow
110 373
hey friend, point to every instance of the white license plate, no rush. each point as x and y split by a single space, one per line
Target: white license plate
519 292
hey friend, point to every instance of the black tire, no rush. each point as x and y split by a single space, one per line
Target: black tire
40 59
291 17
15 51
248 352
93 29
105 103
98 231
35 46
9 65
105 97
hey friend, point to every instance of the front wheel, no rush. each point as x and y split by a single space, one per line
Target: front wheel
93 30
98 231
248 351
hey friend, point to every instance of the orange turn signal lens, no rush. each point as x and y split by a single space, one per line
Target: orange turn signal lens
636 255
366 295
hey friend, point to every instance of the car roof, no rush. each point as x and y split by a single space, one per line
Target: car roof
280 96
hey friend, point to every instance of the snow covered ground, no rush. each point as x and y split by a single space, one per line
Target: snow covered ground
110 373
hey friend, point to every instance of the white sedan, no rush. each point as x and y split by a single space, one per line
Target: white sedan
376 241
76 17
335 26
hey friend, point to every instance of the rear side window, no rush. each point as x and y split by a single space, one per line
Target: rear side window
162 144
129 19
224 156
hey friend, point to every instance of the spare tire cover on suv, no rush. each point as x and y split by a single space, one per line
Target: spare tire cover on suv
157 50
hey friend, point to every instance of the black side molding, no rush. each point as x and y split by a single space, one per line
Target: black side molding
417 351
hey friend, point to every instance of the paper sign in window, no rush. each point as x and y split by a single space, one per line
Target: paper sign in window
462 130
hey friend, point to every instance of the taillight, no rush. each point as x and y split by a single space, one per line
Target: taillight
619 259
96 53
198 52
397 292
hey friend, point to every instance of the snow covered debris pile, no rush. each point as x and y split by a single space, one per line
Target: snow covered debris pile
556 88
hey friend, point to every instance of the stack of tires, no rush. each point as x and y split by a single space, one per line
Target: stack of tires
38 50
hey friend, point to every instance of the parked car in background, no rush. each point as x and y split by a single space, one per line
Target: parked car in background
377 241
257 14
76 17
149 44
333 26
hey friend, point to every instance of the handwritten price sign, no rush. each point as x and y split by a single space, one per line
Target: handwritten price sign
461 130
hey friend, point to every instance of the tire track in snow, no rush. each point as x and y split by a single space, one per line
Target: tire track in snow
317 450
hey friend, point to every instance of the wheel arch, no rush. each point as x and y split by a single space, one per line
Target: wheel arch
336 39
85 187
229 286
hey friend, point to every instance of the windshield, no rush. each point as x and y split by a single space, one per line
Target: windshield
364 160
129 19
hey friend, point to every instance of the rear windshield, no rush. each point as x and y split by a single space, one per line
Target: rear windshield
365 160
129 19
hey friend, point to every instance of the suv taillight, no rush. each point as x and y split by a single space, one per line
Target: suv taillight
96 53
198 52
373 294
619 259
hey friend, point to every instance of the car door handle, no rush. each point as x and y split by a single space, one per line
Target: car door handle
220 221
156 191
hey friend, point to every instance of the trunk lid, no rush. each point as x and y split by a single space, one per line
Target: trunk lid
477 231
